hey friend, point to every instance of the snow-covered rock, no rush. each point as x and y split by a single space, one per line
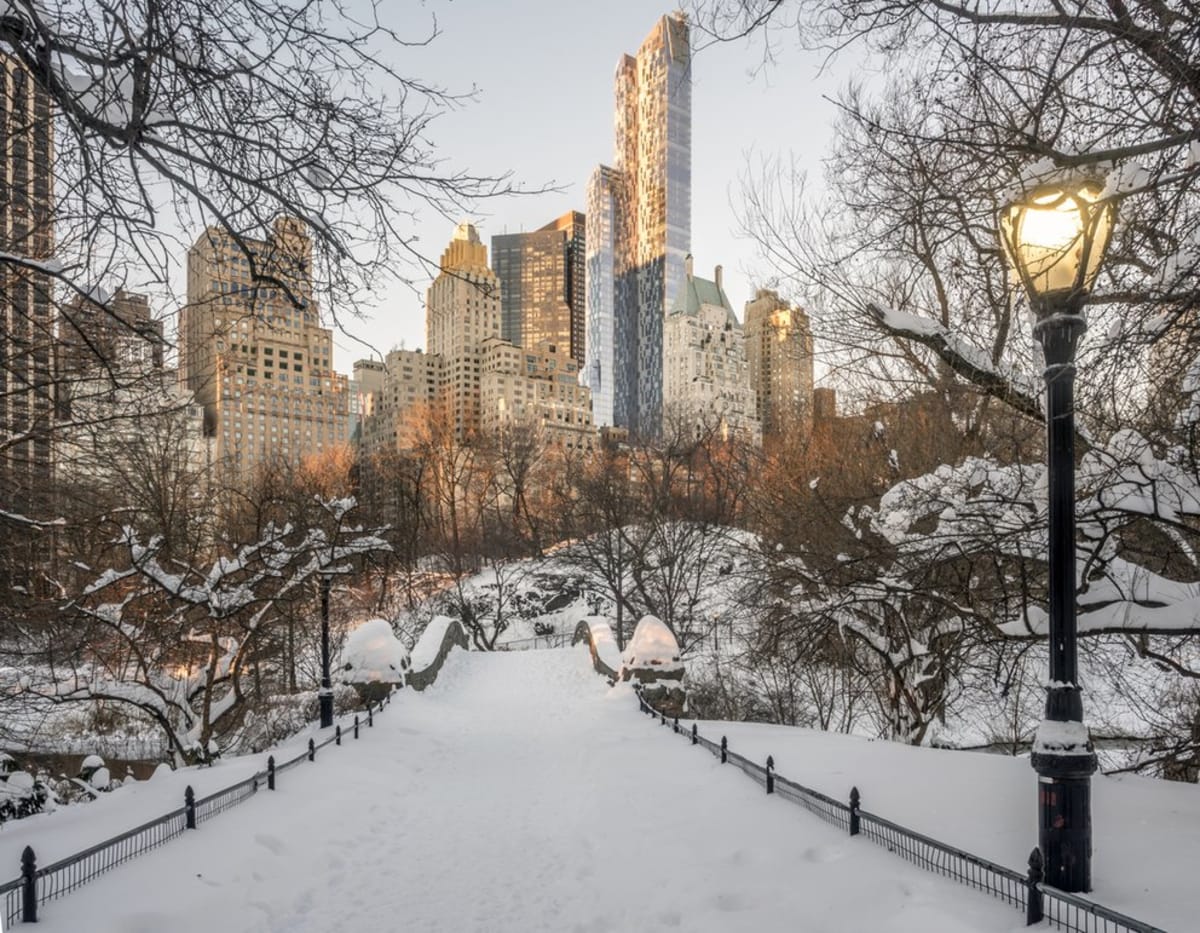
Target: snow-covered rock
374 655
653 646
652 661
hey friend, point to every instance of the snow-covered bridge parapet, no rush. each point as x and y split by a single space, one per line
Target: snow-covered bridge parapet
606 656
432 649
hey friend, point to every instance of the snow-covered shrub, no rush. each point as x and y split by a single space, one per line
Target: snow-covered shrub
22 795
512 601
94 772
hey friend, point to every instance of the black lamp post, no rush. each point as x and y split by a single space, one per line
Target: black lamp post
1055 238
325 694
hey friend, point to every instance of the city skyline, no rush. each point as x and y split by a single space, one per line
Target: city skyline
737 103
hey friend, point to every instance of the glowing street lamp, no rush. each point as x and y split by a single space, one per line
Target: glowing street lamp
1055 238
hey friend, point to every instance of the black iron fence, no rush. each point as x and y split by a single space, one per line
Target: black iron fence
21 898
1040 902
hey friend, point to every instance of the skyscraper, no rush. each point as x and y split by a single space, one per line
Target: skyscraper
542 291
639 228
256 355
26 309
462 309
779 350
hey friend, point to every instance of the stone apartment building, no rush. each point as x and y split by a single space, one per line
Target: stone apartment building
705 374
255 355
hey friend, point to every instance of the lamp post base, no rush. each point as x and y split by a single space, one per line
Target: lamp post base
1065 818
325 699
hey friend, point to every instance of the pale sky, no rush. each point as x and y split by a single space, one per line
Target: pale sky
544 110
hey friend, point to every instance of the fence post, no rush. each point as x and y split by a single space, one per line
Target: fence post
770 775
337 734
854 801
271 773
312 750
28 886
189 806
356 725
724 749
695 735
677 725
1033 894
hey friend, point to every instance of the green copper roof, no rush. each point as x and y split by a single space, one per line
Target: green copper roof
696 292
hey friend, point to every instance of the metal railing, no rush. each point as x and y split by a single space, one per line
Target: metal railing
21 898
1040 902
537 642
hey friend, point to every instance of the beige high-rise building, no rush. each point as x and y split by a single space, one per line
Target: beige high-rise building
462 310
779 350
537 388
705 375
256 356
407 382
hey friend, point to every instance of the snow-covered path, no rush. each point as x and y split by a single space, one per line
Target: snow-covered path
519 794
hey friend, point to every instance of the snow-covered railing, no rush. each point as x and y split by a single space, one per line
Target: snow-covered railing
1040 902
21 898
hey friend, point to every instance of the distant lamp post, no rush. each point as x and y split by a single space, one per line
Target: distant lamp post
1055 238
325 694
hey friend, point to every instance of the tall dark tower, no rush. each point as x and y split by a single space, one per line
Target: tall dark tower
542 285
26 308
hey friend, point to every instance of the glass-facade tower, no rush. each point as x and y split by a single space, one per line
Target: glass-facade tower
647 196
542 285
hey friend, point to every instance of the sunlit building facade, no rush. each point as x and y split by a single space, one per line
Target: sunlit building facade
705 380
255 354
542 285
643 227
462 310
779 351
600 373
536 389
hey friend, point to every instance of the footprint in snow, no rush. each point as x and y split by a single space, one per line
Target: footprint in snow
270 843
729 902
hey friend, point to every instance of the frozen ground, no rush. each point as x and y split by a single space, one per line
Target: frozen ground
518 794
